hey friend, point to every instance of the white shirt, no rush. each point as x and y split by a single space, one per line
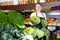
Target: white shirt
43 15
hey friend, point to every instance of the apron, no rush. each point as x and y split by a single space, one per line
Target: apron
40 24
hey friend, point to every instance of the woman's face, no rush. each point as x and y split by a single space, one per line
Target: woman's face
38 7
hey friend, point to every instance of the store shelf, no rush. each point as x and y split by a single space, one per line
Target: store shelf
29 6
54 24
26 13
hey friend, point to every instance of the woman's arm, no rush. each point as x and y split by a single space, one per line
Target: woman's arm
32 14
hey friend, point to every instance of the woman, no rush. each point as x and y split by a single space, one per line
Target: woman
38 13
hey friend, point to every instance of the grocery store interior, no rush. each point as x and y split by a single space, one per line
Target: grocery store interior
16 22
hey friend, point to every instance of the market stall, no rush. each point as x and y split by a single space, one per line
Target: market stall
15 22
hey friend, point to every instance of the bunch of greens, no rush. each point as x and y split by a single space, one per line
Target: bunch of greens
46 32
12 17
44 22
33 31
16 18
10 24
3 18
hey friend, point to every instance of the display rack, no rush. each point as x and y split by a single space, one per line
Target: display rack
29 6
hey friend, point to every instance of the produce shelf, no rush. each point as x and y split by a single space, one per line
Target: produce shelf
54 24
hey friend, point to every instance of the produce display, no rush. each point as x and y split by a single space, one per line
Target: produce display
26 11
12 27
50 20
32 10
33 31
10 23
16 19
10 33
44 9
57 22
26 20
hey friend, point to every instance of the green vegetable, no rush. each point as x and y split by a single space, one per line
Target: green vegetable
10 33
58 36
33 31
40 33
35 19
28 30
6 36
44 22
3 18
9 24
57 22
16 18
46 32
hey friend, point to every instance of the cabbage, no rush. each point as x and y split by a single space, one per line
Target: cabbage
28 30
40 33
44 22
46 32
35 19
33 31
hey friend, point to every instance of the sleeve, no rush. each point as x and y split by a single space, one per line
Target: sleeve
32 14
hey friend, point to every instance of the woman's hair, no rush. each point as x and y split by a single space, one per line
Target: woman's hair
39 4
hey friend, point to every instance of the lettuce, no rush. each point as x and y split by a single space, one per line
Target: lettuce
35 19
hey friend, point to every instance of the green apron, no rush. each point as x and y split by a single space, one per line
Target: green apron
40 24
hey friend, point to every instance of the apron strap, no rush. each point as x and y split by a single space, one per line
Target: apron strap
42 14
36 13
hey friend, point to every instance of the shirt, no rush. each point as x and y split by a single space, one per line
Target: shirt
43 15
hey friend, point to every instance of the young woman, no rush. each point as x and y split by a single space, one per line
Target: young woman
38 13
